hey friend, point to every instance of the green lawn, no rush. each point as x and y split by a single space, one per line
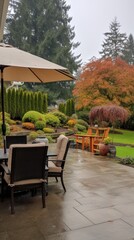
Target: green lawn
126 137
123 152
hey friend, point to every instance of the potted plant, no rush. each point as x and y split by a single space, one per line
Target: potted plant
104 146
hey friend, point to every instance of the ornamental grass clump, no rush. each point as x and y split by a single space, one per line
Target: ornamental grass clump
107 140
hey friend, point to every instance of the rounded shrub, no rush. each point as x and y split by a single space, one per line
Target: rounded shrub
33 116
28 125
52 120
83 123
39 125
7 118
48 130
50 139
61 116
71 122
32 135
7 128
40 132
11 122
83 115
74 116
80 127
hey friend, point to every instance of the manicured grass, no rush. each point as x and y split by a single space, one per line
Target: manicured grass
125 151
126 137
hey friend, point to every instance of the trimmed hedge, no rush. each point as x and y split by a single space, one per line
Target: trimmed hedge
33 116
52 120
39 125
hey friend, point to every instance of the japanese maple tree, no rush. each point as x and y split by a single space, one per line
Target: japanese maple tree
108 113
105 81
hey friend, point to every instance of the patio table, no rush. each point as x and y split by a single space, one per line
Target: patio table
3 156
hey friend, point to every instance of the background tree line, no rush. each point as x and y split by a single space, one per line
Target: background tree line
117 44
110 79
43 28
19 101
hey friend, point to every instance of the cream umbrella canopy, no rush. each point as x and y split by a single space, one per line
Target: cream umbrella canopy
17 65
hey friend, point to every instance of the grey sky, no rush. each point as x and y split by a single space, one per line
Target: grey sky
91 19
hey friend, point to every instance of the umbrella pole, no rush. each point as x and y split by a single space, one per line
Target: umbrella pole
3 111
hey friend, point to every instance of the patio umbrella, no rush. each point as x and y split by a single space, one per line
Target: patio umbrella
18 65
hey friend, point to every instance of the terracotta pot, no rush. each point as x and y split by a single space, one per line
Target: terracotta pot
104 148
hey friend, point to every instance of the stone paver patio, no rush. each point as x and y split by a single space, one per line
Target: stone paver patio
98 204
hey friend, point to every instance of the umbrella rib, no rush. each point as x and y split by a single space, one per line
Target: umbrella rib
35 74
64 73
60 71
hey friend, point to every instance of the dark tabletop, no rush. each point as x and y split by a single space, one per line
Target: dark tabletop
3 156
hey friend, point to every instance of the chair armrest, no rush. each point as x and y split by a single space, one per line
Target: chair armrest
7 171
56 160
46 168
51 155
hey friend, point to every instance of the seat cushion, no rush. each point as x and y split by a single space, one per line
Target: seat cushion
23 182
61 148
53 168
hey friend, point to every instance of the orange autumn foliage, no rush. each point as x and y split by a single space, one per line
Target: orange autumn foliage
105 81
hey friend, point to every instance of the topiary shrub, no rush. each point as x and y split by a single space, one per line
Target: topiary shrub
28 125
61 116
7 115
32 135
50 139
39 125
83 115
74 116
71 122
7 118
11 122
48 130
33 116
40 132
80 127
15 128
52 120
83 123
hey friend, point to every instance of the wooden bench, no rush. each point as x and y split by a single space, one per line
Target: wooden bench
84 139
92 138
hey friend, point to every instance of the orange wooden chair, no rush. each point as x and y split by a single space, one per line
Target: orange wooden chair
84 140
102 133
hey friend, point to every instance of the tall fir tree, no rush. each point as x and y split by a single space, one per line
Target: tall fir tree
129 50
114 42
43 28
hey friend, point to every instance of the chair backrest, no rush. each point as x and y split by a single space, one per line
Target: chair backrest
62 148
102 133
106 132
92 131
15 139
27 161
